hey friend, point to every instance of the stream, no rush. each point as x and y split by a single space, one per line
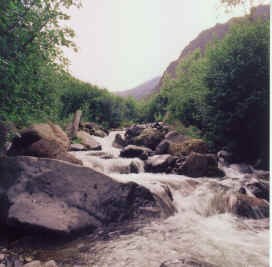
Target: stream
201 228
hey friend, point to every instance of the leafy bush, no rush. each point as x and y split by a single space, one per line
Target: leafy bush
224 94
237 102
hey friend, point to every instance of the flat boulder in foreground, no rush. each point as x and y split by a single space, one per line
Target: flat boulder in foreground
40 194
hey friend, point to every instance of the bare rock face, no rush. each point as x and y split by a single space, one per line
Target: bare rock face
88 141
43 140
57 197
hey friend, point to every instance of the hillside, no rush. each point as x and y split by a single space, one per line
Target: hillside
206 36
141 91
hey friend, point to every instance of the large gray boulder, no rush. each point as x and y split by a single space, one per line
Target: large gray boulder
50 195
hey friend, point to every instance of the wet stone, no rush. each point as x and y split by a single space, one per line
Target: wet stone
51 263
186 263
33 264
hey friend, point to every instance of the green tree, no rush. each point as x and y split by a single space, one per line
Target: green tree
30 57
237 111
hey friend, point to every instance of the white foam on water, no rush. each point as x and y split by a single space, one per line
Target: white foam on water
201 228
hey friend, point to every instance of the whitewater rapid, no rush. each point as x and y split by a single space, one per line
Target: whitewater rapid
201 227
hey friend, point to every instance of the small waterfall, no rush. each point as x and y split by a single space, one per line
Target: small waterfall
108 160
202 224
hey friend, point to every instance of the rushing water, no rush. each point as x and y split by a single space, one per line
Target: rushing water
202 226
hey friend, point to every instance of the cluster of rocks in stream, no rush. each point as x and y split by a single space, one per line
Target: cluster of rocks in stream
44 190
17 259
165 150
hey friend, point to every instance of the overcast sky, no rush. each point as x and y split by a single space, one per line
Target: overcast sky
123 43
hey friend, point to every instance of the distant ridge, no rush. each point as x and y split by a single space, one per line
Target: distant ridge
206 36
200 42
141 91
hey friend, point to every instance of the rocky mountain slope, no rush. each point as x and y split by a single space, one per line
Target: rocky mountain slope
206 36
141 91
200 42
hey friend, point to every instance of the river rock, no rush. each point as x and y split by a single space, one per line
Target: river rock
93 129
41 194
51 263
99 133
199 165
43 140
134 167
149 137
118 142
36 132
261 175
160 163
163 147
133 131
242 168
259 189
249 207
77 147
175 137
188 146
132 151
33 264
88 141
186 263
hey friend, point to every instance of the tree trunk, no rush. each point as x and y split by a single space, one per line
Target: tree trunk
75 124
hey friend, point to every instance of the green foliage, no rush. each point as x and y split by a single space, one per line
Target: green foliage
33 83
224 94
237 102
30 41
98 105
187 92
